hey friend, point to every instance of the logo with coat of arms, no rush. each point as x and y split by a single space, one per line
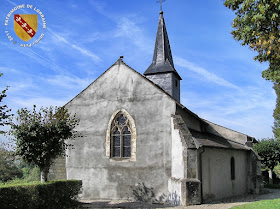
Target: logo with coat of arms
25 30
25 26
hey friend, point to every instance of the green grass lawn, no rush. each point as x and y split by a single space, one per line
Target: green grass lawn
18 182
263 204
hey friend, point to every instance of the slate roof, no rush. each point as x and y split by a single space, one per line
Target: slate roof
211 140
162 59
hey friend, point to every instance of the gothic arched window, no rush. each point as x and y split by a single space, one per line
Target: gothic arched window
121 137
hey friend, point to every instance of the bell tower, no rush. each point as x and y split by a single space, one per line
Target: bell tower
162 71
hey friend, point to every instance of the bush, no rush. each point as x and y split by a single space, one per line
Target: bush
50 195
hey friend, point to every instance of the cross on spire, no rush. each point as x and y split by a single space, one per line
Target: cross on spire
160 1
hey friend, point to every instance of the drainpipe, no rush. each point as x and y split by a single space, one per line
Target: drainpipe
200 172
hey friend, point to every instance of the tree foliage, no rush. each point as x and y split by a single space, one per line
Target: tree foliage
30 172
8 169
276 113
40 137
269 151
4 110
257 24
276 170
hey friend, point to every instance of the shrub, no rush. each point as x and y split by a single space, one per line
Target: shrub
50 195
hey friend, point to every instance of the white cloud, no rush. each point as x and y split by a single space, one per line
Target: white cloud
37 57
7 69
21 86
38 101
83 51
248 111
69 82
130 30
127 27
211 77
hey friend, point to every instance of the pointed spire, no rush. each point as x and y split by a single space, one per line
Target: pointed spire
162 59
162 51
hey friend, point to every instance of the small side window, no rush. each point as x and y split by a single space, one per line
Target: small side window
232 168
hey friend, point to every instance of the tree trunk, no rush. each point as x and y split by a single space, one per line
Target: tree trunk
44 174
270 179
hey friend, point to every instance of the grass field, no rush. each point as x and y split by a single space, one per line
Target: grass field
263 204
18 182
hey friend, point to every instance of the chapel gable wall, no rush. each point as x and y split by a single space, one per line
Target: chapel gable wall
151 109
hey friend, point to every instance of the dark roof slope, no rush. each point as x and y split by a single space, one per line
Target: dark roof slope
211 140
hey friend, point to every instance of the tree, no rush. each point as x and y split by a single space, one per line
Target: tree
257 24
30 172
269 151
276 113
8 169
4 110
41 136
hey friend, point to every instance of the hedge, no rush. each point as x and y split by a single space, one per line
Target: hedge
50 195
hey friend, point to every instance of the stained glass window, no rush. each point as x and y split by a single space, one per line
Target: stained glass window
116 143
121 137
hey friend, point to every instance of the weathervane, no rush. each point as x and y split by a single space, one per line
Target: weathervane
160 1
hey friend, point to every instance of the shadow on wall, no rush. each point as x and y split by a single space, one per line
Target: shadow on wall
142 193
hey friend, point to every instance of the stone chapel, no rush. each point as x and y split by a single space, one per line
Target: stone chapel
140 143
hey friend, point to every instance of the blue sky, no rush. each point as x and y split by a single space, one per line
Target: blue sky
221 81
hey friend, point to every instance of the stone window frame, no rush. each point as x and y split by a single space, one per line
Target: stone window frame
132 128
232 168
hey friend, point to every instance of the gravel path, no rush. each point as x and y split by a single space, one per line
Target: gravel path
223 204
